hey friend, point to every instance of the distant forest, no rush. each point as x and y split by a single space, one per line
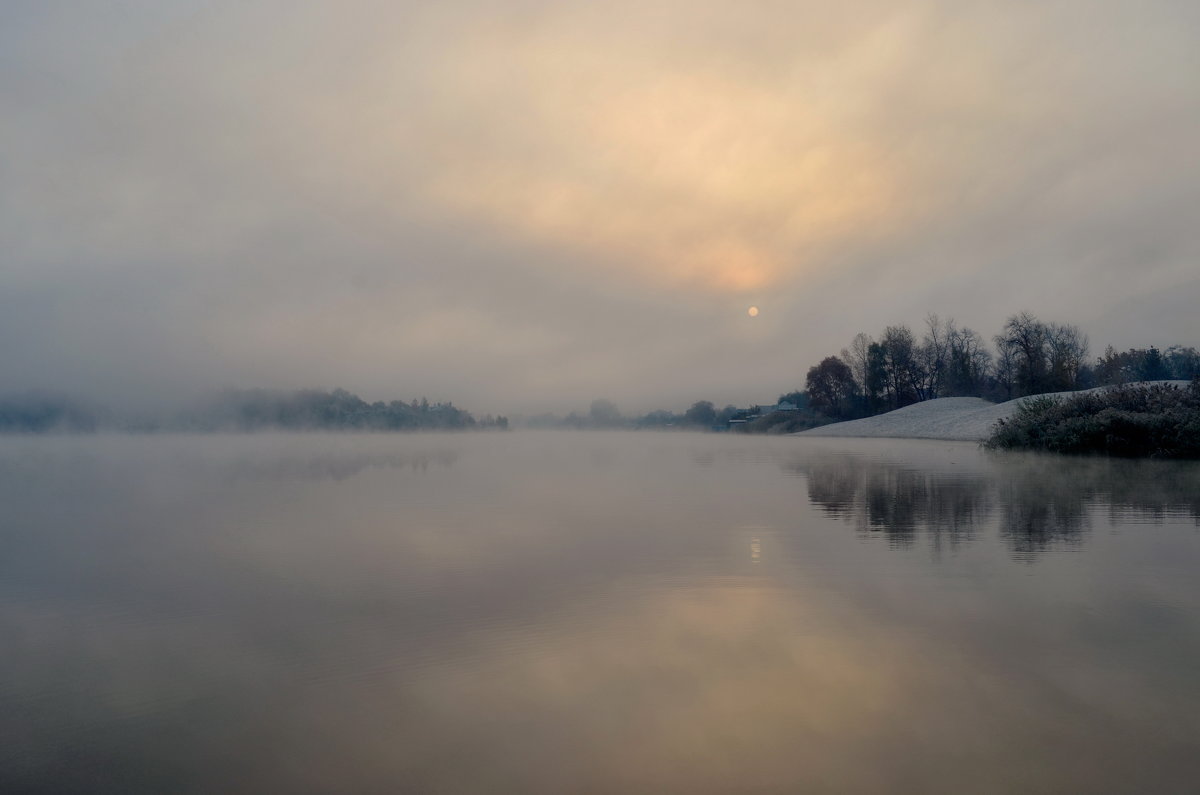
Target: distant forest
246 410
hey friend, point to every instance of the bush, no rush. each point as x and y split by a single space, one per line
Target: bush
1157 421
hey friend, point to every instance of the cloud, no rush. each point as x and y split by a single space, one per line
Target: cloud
673 175
532 204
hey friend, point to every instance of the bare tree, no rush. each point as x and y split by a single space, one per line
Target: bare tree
1025 338
902 367
968 361
932 356
857 357
1066 349
1005 371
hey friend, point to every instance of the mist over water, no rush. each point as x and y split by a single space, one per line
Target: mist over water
592 612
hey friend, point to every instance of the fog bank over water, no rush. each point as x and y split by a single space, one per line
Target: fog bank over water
528 205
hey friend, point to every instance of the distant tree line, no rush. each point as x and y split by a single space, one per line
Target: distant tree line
248 410
38 413
604 414
336 410
1147 364
702 415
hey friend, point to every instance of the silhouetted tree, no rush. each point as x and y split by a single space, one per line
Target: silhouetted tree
1046 357
1154 367
830 386
1066 348
968 362
604 414
903 369
875 387
1183 363
857 357
1024 338
702 413
932 356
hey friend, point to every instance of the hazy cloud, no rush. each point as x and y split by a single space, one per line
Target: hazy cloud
531 204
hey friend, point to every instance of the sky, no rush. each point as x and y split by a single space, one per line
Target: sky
521 206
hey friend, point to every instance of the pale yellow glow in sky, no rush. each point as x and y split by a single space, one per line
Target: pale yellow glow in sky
675 173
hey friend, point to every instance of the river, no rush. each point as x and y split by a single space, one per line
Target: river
554 612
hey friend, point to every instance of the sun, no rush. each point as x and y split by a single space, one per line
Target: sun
752 311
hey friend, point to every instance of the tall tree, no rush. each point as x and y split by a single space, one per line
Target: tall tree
875 385
1005 370
1025 338
604 413
1154 366
932 357
1183 363
903 369
830 386
1066 351
968 361
857 356
702 413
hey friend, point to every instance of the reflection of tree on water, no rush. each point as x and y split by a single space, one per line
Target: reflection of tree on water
1040 508
1048 498
895 500
1037 501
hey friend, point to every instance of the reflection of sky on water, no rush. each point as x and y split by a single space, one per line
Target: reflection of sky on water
594 613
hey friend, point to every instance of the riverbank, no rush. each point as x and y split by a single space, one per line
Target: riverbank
966 419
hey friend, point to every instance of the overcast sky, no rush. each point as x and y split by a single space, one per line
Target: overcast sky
522 205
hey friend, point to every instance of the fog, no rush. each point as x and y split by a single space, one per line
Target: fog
522 206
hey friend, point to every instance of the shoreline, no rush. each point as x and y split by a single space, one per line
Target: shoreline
950 419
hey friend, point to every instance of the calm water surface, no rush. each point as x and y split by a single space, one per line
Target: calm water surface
593 613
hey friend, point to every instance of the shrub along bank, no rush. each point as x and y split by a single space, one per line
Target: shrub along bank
1156 421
